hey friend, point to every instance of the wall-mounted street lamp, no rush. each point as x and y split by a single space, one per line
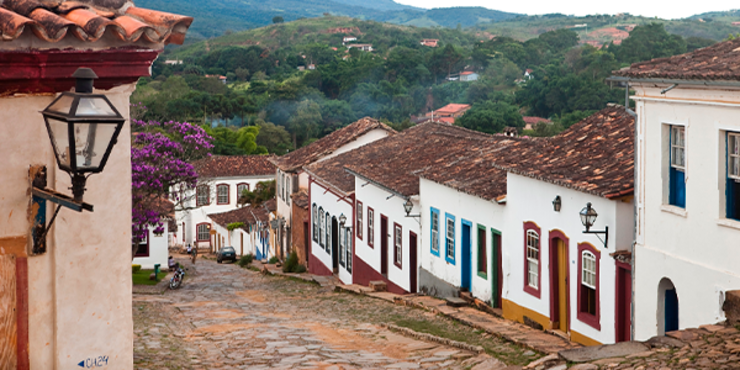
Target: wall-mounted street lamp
588 217
408 206
342 219
557 204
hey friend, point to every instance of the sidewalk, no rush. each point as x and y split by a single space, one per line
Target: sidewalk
324 281
509 330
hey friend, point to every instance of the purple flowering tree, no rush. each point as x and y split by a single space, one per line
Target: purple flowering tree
160 162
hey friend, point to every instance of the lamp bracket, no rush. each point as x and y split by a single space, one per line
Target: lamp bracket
597 233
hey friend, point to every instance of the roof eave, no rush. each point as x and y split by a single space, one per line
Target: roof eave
673 81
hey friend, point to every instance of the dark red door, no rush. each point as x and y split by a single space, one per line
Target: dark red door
306 242
384 245
623 302
412 261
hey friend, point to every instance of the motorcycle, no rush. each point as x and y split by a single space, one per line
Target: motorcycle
176 279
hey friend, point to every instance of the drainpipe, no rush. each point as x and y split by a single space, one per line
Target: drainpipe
634 212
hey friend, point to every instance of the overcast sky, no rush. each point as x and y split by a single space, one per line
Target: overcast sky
649 8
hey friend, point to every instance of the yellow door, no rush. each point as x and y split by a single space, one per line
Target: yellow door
562 286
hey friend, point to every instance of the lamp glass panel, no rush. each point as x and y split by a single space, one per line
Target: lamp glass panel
62 105
94 106
60 140
584 218
91 142
407 206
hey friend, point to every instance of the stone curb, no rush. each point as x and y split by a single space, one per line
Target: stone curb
305 277
157 289
433 338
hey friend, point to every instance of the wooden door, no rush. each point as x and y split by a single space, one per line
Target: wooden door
413 261
562 286
671 310
623 302
8 319
384 245
497 272
466 256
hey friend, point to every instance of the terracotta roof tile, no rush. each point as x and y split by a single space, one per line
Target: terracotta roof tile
452 108
249 215
328 144
235 166
720 61
88 21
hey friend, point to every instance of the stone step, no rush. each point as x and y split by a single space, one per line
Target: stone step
467 296
378 286
455 302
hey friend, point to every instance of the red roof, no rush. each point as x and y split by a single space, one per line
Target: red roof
534 120
90 20
466 73
452 108
234 166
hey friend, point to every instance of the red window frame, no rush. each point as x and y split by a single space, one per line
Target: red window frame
208 195
145 254
585 317
237 188
208 226
228 194
360 218
527 288
370 233
397 248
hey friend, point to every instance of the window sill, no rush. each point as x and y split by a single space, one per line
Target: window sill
728 222
483 275
532 290
678 211
590 320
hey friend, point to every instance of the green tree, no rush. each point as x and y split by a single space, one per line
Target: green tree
491 117
305 122
277 19
648 42
275 138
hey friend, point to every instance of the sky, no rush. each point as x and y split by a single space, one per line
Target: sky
649 8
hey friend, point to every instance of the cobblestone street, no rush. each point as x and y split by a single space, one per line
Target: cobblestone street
226 317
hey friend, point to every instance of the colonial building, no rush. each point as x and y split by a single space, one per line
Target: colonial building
688 198
245 228
68 304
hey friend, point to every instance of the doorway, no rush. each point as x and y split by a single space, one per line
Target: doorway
466 265
384 246
559 278
412 261
497 278
335 244
306 242
623 302
667 307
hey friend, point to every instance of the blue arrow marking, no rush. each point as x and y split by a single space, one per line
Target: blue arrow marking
81 364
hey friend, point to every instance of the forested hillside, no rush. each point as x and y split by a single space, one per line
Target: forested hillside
274 100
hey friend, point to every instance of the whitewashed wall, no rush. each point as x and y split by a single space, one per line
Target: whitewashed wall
531 200
335 206
696 248
463 206
158 252
375 197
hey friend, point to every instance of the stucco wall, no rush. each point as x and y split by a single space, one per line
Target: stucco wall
331 204
80 290
158 252
696 248
299 246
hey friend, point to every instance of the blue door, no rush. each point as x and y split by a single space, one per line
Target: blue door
671 310
466 255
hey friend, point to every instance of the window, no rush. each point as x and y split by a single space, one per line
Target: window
203 195
288 189
222 194
398 245
315 219
142 250
328 233
588 285
321 227
359 220
732 191
370 227
240 189
532 259
677 170
342 243
450 239
204 232
349 250
482 253
435 232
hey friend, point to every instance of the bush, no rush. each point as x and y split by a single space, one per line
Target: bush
135 268
246 260
273 260
299 269
291 262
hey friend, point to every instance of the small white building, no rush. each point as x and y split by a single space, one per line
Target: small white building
468 76
362 47
245 228
153 250
347 39
688 198
221 179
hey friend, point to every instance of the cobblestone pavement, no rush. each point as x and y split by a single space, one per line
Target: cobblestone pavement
226 317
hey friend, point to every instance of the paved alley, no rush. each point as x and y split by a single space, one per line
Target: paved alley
226 317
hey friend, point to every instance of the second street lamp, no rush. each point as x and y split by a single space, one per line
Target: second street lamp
588 217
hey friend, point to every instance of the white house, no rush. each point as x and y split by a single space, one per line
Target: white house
154 248
688 165
221 179
290 177
468 76
362 47
245 228
69 304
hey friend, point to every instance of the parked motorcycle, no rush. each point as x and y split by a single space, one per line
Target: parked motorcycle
176 279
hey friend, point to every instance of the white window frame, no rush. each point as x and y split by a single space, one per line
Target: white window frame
588 269
322 221
240 189
328 233
733 155
342 235
450 238
315 218
678 147
205 192
359 219
348 235
533 258
222 195
370 226
398 244
203 229
435 231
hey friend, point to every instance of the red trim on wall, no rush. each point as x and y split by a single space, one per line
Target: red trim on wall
529 225
586 318
358 227
363 274
228 194
553 267
196 232
370 238
627 297
21 290
398 264
145 254
50 71
317 268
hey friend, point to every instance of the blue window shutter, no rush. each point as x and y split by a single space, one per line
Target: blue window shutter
678 188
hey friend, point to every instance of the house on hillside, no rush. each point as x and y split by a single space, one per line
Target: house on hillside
347 39
530 122
468 76
451 111
362 47
221 180
69 298
432 43
688 198
292 179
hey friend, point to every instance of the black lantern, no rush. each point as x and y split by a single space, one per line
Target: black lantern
83 127
408 206
342 219
588 218
557 204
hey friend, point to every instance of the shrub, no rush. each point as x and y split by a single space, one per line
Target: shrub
246 260
299 269
273 260
291 262
135 268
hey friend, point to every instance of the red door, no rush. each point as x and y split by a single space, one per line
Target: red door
623 302
412 261
384 245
